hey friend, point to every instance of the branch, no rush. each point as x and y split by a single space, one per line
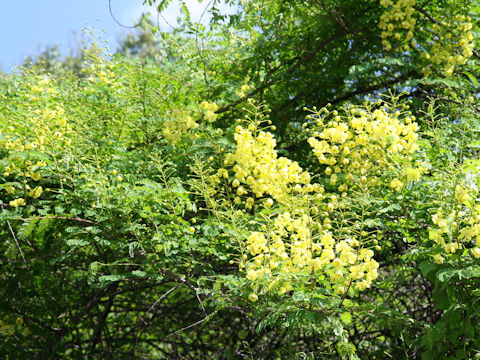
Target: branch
118 22
159 299
187 283
426 14
16 240
334 16
101 322
76 218
367 89
307 57
186 327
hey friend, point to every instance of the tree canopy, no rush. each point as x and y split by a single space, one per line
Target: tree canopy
298 179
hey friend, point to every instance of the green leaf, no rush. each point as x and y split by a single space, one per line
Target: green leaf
299 296
77 242
346 318
139 273
110 278
472 78
426 268
94 267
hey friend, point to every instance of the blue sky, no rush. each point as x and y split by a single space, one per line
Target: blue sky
27 26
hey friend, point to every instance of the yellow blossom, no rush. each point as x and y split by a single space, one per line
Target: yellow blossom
17 202
396 184
438 258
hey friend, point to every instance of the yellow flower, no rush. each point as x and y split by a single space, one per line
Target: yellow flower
337 263
253 297
222 173
438 259
451 247
461 194
35 193
252 275
413 174
268 203
17 202
241 191
213 107
396 184
249 203
210 116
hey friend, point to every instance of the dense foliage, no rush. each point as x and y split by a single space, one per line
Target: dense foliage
298 180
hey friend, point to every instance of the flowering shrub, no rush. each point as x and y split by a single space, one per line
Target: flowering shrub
449 44
86 192
365 147
140 219
457 228
291 243
396 20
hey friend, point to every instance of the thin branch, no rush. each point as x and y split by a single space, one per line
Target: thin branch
117 21
426 14
76 218
103 318
158 301
188 284
367 89
334 16
308 56
16 241
186 327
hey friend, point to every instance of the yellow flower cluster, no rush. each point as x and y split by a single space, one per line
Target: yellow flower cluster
360 147
6 329
17 202
243 90
210 109
299 248
43 86
178 124
25 170
259 171
452 44
458 228
48 128
101 73
45 131
396 21
297 245
414 174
